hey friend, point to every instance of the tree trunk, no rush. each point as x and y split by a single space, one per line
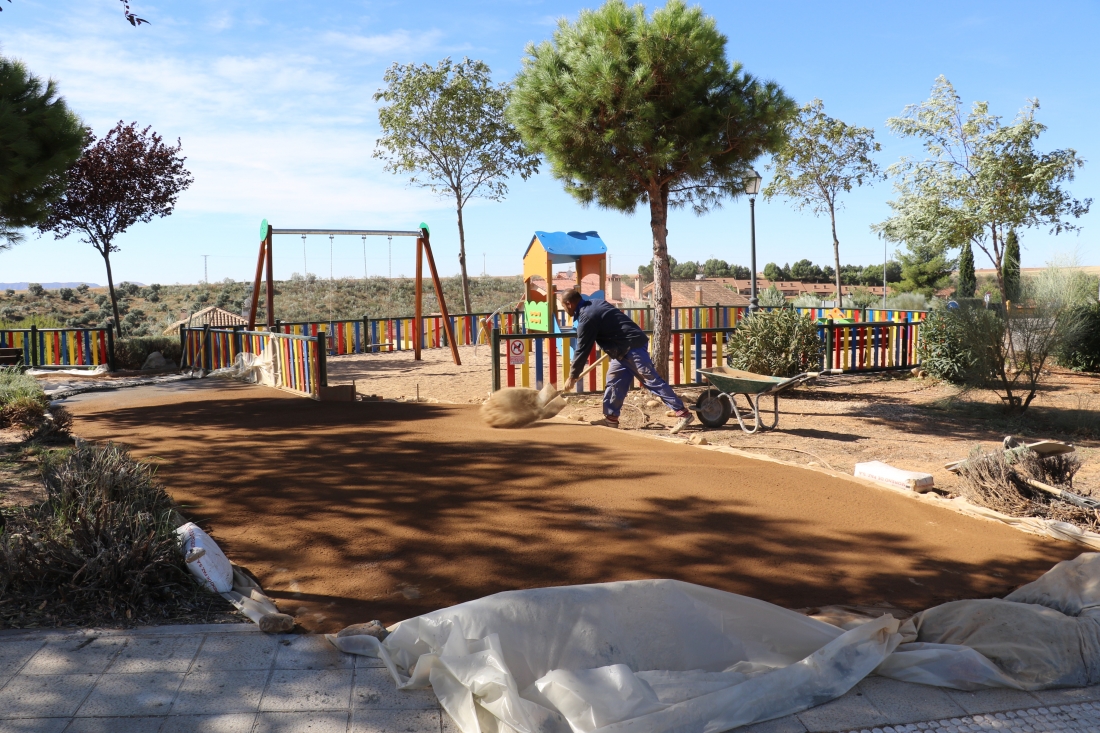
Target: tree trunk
998 260
462 258
836 258
106 252
662 282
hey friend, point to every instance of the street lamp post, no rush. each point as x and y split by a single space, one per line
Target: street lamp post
752 187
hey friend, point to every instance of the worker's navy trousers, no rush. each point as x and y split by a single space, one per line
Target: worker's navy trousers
638 364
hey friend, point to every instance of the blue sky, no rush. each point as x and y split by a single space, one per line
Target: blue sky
272 101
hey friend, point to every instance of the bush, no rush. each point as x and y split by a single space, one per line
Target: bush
908 302
771 297
36 290
780 343
66 294
100 548
1080 350
957 344
131 353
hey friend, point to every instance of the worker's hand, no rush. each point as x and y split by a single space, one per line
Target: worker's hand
570 384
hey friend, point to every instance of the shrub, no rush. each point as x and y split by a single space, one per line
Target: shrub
771 297
22 401
957 344
908 302
36 290
131 353
1080 350
780 343
9 292
82 288
100 548
66 294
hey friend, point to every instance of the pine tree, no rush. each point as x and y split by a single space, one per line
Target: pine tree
967 281
1011 270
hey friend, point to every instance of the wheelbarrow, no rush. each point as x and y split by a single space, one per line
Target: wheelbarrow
716 404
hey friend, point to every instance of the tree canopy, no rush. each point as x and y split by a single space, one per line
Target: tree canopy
129 176
823 158
444 126
630 110
979 180
39 139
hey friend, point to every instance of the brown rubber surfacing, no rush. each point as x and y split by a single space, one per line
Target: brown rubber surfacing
348 512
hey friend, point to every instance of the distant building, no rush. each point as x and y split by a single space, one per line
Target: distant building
687 293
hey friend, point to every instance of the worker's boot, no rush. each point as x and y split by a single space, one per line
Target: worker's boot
685 420
606 422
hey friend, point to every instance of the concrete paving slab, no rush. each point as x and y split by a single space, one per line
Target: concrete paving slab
223 691
375 688
786 724
396 721
239 723
852 710
75 656
130 694
236 651
13 655
311 652
903 702
992 701
308 689
368 662
115 725
157 654
1068 695
332 722
44 695
34 725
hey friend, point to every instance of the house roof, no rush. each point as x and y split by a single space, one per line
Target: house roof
213 316
563 247
713 292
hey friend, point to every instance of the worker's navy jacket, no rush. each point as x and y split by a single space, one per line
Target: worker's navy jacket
599 322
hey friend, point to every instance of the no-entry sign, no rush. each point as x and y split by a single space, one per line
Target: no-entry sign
515 351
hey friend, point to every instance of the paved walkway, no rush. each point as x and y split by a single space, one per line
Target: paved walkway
233 679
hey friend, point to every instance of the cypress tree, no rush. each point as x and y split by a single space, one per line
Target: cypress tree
967 280
1010 267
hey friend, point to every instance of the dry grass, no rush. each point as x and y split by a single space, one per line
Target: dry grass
99 550
996 480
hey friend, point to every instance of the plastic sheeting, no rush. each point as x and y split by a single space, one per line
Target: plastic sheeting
252 368
630 657
662 655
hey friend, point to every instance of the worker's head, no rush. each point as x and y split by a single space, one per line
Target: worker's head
570 299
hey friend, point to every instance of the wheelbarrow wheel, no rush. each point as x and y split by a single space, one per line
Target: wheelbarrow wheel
713 408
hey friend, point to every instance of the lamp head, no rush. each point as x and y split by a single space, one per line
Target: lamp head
752 184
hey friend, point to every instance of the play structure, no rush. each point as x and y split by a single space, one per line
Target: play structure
585 250
423 247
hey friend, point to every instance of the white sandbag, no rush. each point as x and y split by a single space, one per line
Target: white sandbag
210 566
1071 586
884 473
637 657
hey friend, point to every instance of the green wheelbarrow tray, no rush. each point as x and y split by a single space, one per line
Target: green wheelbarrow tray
715 405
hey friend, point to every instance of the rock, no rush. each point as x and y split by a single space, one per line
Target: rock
371 628
276 623
922 374
653 403
670 413
698 440
155 360
915 371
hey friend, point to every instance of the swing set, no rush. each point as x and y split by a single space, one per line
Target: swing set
423 247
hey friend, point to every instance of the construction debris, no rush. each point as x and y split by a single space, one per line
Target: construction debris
884 473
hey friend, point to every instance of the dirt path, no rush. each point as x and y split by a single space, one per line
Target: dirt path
353 511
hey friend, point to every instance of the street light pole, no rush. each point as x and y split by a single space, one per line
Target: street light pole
752 187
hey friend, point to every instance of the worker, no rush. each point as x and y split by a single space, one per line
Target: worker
599 322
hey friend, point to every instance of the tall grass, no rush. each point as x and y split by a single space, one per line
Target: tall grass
100 549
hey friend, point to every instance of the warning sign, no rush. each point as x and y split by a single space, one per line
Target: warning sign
516 351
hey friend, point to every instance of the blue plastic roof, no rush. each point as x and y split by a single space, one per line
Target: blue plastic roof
569 245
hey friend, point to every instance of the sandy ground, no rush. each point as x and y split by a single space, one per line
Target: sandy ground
916 424
353 511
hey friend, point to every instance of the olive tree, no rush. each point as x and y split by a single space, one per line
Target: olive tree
444 125
630 110
979 179
824 157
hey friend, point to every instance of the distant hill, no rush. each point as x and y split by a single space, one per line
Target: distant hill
48 286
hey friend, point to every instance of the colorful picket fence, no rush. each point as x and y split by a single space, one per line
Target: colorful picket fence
373 335
297 363
870 346
851 347
61 347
